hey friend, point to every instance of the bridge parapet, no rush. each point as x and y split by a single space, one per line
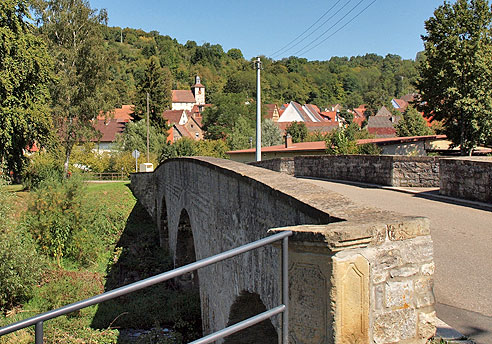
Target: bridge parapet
361 282
392 170
357 274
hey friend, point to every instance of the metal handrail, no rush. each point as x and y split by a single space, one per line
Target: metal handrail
38 320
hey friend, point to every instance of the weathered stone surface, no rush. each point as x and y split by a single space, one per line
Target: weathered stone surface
469 178
399 294
395 326
348 264
351 298
427 326
405 271
393 170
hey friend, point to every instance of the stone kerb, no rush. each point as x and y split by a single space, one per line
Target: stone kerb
468 178
357 275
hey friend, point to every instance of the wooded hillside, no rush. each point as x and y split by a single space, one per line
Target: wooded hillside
370 79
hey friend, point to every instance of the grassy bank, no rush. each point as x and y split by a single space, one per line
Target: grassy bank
125 250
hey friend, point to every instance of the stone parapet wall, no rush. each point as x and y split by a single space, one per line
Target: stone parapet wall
373 169
356 274
468 178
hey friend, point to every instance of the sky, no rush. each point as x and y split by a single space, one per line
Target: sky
266 27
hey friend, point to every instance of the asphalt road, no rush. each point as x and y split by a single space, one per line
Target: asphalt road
462 237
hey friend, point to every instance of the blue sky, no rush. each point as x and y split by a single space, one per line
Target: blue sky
263 27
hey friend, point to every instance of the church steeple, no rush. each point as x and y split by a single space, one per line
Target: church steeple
198 91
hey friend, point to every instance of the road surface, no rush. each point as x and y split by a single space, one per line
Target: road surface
462 237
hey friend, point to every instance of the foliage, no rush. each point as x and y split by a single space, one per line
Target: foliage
135 137
124 162
231 118
156 82
25 70
344 141
86 158
298 131
456 71
189 147
42 165
271 135
53 215
341 142
412 124
82 89
20 266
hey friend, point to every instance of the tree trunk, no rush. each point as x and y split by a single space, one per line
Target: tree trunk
68 152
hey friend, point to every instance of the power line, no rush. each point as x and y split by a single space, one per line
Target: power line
309 28
343 26
331 27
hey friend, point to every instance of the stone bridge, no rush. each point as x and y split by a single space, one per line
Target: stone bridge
356 275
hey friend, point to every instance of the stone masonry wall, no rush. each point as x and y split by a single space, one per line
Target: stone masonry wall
373 169
356 275
469 178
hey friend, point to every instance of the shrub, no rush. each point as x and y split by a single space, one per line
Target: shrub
20 265
53 214
42 166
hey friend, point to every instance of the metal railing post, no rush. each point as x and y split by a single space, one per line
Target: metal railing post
38 337
285 290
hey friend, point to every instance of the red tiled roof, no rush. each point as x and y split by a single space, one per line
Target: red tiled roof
330 115
382 132
409 97
198 120
183 96
173 116
390 140
183 131
402 104
198 85
301 146
123 114
109 129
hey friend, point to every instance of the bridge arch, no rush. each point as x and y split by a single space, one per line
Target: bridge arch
163 224
185 251
246 305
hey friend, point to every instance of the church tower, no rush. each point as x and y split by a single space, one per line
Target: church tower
198 91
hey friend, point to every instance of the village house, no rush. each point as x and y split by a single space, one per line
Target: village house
187 99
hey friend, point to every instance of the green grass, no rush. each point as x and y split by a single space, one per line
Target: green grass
128 251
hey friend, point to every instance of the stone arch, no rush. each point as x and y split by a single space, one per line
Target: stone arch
163 225
185 252
245 306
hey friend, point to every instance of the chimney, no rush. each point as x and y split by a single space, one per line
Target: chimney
288 141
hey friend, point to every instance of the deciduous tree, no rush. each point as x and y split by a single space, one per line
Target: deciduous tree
25 70
456 73
74 34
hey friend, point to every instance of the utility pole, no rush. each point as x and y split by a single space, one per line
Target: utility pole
258 110
148 128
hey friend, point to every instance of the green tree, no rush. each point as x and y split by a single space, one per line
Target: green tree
271 134
412 124
230 115
456 72
298 131
135 137
25 70
157 83
74 34
345 141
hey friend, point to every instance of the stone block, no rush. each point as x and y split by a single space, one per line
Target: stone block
405 271
351 298
395 326
399 294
